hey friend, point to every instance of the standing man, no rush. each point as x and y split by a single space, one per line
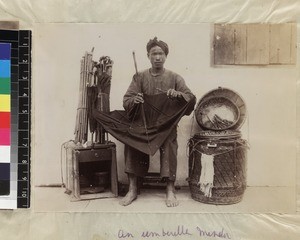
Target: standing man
153 81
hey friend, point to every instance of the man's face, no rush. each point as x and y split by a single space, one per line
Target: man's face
157 57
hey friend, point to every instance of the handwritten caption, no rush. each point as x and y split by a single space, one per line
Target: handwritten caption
179 231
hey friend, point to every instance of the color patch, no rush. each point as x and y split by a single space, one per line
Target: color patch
4 103
5 51
5 136
4 154
5 87
4 171
4 119
4 68
4 187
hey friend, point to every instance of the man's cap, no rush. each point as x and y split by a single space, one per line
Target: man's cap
154 42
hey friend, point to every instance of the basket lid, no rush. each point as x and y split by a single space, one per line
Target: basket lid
221 109
225 134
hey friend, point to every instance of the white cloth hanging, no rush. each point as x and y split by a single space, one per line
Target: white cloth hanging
206 179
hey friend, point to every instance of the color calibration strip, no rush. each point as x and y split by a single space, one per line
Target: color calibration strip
19 117
5 116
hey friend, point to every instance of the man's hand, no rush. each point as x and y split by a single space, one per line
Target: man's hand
173 94
138 98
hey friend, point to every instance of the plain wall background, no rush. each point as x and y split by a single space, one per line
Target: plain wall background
269 92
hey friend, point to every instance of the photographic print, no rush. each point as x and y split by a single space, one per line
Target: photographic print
164 118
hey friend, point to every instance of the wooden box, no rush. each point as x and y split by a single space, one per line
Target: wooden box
93 172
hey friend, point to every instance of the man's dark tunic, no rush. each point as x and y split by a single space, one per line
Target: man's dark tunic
137 162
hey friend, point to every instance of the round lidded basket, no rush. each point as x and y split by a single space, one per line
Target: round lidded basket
217 154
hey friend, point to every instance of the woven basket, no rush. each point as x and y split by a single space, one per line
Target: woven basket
229 168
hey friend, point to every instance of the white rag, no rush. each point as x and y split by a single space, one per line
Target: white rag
206 179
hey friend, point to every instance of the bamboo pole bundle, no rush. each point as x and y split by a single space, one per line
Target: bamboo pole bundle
84 98
80 103
77 131
89 75
81 126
